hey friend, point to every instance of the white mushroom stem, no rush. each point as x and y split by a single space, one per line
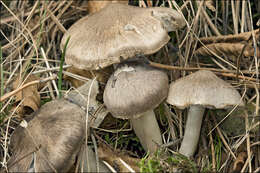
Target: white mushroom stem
192 130
147 130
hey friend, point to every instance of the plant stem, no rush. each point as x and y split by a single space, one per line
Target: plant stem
192 130
147 130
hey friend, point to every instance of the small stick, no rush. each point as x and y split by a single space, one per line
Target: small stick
227 73
50 73
248 141
57 22
51 69
6 96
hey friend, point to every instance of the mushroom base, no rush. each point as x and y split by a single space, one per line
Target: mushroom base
147 130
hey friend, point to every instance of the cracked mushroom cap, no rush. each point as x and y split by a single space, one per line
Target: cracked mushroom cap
118 32
203 88
133 90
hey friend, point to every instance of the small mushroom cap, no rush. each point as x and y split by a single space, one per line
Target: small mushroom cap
203 88
118 32
135 90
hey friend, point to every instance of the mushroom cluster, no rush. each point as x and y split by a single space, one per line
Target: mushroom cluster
109 36
117 34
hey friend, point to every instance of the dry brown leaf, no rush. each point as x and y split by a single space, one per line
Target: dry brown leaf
230 45
228 38
149 3
232 50
239 162
102 75
96 5
113 158
210 5
29 95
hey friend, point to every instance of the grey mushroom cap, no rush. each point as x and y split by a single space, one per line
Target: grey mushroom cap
203 88
131 93
118 32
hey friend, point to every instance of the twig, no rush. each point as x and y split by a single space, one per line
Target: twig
51 69
50 73
227 73
248 141
246 163
57 22
172 143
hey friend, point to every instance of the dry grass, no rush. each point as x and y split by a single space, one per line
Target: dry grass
30 34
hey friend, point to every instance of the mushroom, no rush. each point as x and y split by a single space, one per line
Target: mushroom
54 134
118 32
200 90
132 92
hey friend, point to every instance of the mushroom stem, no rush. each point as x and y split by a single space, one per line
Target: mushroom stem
147 130
192 130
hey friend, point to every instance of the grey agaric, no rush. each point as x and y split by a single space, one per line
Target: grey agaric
200 90
132 93
118 32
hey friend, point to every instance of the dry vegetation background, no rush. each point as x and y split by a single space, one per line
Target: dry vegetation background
30 35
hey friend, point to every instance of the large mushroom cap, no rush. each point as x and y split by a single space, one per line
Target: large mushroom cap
135 90
118 32
203 88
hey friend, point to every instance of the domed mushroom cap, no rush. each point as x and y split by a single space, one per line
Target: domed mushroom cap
203 88
135 90
118 32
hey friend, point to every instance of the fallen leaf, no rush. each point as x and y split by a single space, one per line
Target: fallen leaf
233 50
149 3
210 5
117 159
228 38
29 96
239 162
95 6
230 45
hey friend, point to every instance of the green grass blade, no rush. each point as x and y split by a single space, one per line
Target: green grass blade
61 66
